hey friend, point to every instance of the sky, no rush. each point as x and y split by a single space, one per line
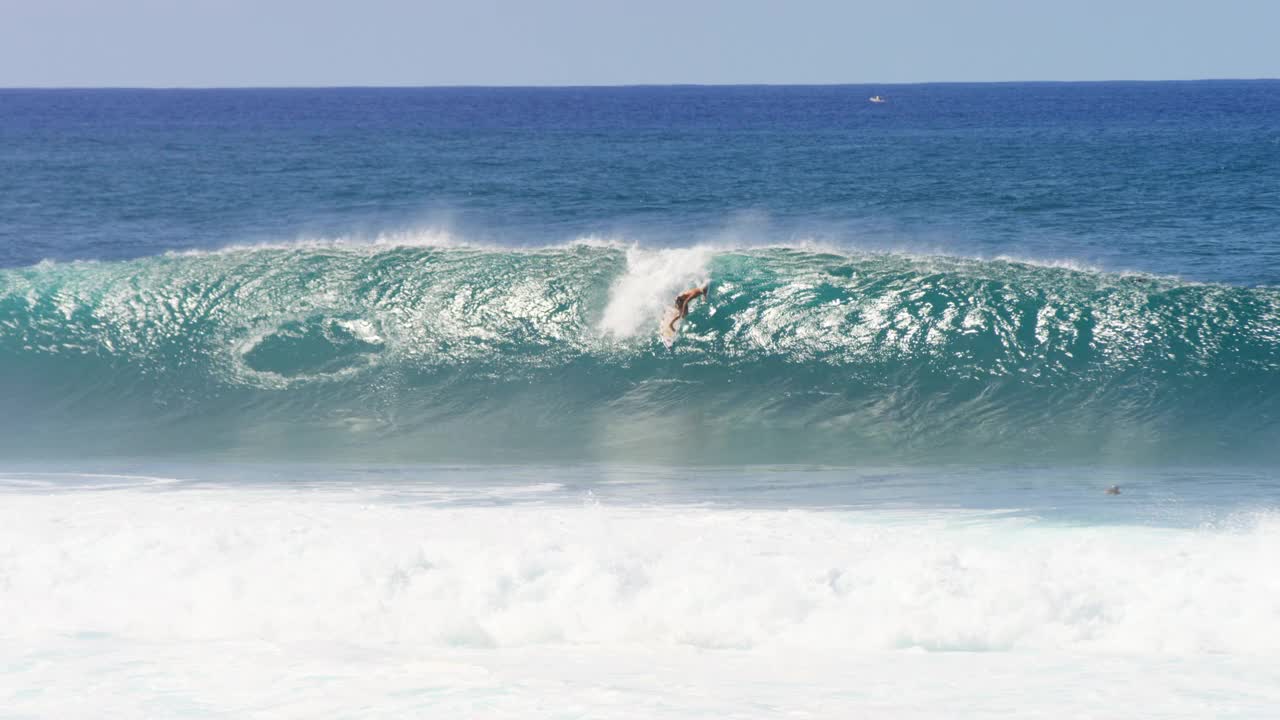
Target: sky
234 43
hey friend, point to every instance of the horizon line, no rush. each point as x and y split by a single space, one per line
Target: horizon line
627 85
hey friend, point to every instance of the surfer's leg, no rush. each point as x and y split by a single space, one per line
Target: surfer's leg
682 309
684 313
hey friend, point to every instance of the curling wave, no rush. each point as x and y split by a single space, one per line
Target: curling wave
445 352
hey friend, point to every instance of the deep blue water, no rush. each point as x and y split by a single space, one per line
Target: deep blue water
1180 178
965 273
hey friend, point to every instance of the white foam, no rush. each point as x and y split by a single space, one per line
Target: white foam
735 238
418 237
652 279
95 481
320 565
317 600
596 241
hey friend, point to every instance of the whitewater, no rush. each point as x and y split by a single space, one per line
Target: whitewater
614 593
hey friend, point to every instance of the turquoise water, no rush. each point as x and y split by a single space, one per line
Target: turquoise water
429 354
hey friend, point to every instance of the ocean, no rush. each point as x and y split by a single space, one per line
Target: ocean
352 403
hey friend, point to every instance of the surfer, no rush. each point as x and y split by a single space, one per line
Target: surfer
682 304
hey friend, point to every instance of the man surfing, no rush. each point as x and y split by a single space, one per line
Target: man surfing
682 304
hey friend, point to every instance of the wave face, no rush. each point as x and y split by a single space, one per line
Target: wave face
433 352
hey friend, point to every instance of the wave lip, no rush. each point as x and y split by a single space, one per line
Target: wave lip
440 350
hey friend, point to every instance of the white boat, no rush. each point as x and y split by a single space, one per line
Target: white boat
876 99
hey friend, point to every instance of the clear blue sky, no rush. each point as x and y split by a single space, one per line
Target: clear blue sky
591 42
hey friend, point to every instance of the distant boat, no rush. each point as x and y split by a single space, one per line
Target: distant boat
876 99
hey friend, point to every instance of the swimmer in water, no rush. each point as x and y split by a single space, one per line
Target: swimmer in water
682 303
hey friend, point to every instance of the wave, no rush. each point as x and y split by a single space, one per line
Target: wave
435 350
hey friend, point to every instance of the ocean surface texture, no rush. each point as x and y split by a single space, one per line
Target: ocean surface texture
352 402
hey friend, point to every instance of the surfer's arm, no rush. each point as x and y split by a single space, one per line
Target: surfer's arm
683 300
688 296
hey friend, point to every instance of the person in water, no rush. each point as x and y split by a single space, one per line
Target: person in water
682 304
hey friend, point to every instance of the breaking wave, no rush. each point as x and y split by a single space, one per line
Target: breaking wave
440 351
